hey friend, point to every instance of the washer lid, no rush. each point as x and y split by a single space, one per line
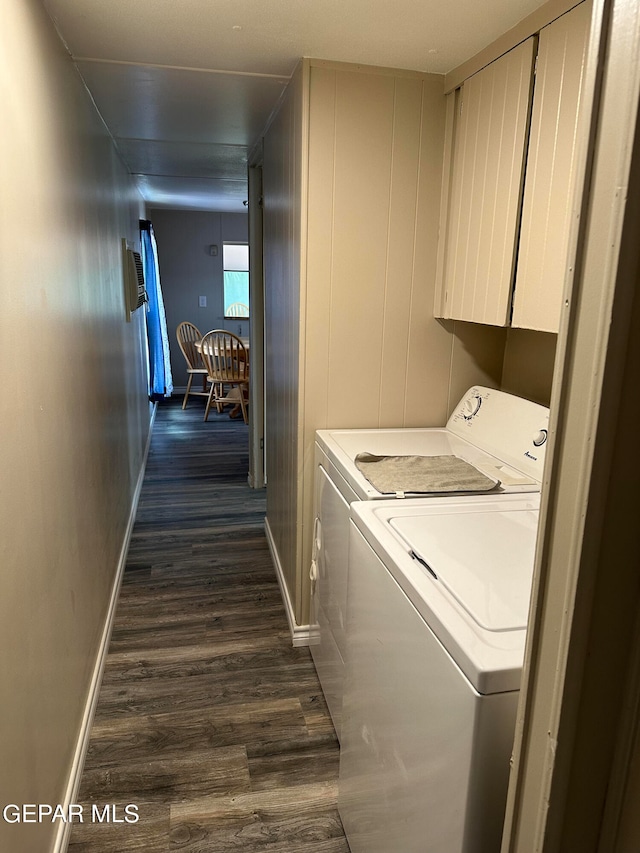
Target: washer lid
483 558
342 446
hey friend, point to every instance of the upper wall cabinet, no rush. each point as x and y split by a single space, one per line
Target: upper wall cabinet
507 206
551 167
489 129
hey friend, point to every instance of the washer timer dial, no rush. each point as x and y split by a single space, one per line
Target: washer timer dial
471 407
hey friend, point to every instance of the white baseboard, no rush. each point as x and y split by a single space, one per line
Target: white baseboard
300 634
61 839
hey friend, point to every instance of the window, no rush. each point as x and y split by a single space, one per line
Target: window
235 261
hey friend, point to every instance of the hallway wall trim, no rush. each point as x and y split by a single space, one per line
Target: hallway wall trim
300 634
73 784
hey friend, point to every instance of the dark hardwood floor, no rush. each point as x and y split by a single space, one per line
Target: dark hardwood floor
208 720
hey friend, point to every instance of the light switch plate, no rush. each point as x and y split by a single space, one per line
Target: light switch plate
202 301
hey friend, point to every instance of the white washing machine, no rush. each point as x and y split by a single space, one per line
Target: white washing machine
501 435
438 604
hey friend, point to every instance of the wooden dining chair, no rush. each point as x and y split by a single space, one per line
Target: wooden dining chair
188 335
225 357
237 309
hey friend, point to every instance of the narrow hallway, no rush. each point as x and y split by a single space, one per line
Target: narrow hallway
208 720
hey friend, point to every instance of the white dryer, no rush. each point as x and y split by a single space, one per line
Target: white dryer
438 604
501 435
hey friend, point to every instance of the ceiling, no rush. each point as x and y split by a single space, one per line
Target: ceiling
186 87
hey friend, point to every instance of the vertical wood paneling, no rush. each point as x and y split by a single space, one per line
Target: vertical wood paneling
374 181
452 110
429 350
320 227
282 237
549 186
363 147
318 288
401 244
487 180
375 155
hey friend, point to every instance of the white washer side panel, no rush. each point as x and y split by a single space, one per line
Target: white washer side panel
424 758
333 555
330 668
329 593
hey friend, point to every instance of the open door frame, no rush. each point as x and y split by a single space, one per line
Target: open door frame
256 326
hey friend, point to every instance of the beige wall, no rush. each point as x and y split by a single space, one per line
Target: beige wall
375 356
74 409
477 357
528 364
375 152
518 361
188 270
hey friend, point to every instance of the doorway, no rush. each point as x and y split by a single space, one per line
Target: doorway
257 450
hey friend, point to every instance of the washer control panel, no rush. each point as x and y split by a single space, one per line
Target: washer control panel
511 428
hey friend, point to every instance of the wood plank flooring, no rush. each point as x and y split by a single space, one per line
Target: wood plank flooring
208 720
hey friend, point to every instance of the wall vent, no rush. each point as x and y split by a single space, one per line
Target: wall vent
133 274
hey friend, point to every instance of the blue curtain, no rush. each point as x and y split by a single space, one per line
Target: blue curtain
160 379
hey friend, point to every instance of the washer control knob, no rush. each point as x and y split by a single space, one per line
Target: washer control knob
540 438
471 406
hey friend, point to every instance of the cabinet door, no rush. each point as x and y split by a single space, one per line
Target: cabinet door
486 189
551 172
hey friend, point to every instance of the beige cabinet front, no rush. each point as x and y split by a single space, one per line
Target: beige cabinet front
512 172
551 172
486 182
